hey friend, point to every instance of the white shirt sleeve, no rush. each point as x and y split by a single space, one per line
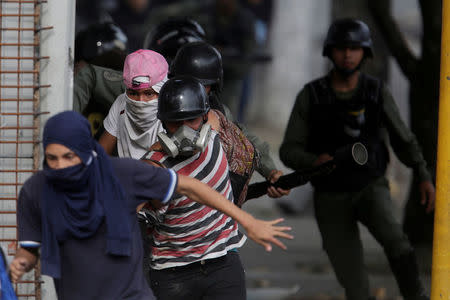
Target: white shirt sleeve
112 119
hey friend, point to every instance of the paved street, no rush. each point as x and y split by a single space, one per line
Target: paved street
303 271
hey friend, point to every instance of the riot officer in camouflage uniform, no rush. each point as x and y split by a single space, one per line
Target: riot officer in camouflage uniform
99 85
341 108
168 36
102 44
100 51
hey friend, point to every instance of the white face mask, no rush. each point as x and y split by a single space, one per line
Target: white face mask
141 114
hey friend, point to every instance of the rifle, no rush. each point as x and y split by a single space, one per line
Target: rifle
350 154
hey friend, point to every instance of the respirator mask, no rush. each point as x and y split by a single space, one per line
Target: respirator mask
185 141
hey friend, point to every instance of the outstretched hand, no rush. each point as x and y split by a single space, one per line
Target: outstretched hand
266 233
427 195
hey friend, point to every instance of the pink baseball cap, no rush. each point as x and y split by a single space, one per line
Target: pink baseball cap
143 69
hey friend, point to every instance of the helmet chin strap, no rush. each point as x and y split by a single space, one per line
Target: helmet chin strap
345 72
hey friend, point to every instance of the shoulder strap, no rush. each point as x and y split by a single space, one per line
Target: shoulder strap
371 88
153 163
320 91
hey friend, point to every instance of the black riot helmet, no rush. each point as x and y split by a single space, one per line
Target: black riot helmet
349 32
99 39
167 37
200 60
182 98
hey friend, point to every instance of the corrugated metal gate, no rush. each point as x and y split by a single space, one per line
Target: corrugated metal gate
19 118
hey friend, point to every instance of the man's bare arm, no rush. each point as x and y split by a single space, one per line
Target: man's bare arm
108 142
262 232
22 263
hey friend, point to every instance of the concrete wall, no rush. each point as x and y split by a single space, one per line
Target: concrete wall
59 45
295 42
57 71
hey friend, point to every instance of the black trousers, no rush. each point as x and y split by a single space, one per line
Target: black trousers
212 279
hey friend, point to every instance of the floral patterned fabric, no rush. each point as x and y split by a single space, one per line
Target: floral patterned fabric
241 155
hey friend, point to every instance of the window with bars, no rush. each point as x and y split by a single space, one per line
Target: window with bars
19 119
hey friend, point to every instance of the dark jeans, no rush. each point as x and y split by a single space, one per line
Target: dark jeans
212 279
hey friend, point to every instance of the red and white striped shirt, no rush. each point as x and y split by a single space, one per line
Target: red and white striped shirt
186 231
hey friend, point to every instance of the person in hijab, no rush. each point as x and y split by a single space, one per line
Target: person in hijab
81 211
131 124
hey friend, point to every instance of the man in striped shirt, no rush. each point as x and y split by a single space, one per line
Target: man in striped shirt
193 248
